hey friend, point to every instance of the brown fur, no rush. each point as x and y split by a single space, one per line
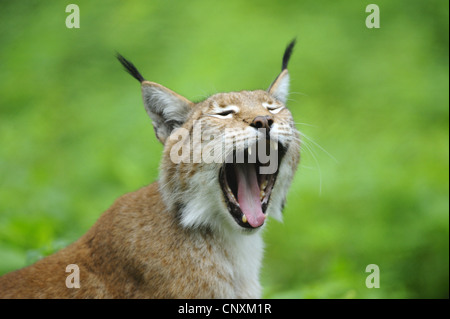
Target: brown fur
174 238
124 256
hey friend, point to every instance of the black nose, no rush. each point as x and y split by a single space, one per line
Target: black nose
263 122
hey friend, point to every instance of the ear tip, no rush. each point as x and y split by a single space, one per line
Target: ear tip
287 54
129 67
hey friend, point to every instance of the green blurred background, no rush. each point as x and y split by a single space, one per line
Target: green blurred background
372 187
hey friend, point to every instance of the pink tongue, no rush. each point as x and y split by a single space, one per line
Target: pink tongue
248 194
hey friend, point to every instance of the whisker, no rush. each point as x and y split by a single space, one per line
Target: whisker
321 148
299 93
298 123
317 165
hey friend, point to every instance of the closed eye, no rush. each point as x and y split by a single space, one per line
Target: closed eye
228 114
224 113
273 108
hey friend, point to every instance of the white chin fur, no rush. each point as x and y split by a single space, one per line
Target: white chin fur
205 205
203 202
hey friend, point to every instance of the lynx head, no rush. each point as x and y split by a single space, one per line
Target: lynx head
228 160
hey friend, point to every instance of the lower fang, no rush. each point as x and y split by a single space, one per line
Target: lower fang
264 184
244 219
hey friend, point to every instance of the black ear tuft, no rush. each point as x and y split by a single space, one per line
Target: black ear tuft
287 55
130 68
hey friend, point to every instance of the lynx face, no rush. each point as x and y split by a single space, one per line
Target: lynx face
229 160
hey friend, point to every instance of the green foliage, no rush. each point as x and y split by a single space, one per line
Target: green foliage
373 183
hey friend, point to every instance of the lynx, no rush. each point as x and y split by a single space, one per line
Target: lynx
196 232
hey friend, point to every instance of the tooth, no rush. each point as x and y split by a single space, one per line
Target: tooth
264 185
244 219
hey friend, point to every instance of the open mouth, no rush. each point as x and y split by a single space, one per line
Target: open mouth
247 184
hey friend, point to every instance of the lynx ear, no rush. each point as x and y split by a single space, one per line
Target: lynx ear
279 88
167 109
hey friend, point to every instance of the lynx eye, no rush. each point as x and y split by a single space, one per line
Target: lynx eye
224 113
273 108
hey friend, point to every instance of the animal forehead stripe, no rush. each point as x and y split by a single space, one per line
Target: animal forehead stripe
222 105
